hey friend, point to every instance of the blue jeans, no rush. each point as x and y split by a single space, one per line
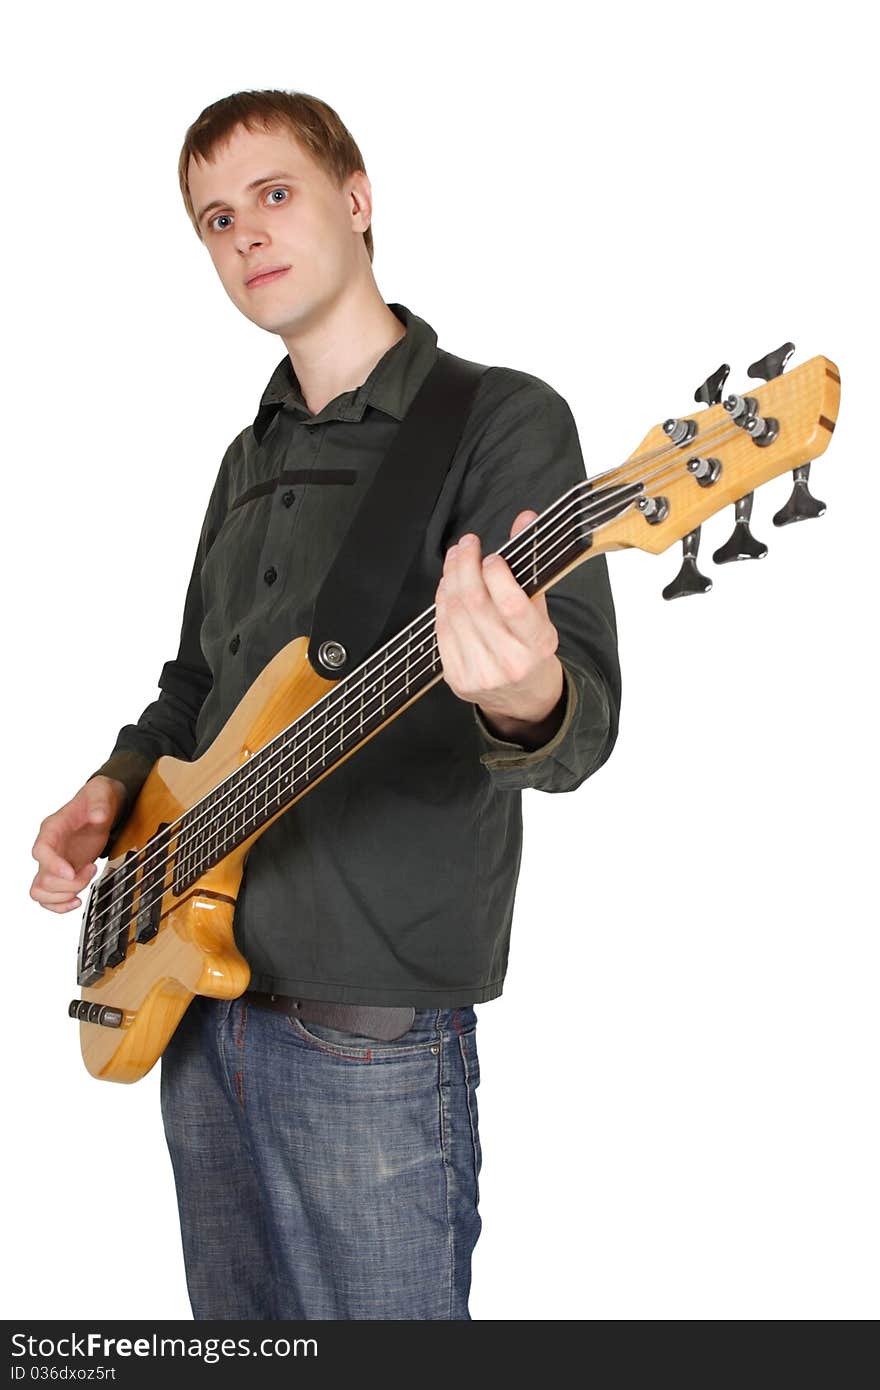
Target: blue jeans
320 1174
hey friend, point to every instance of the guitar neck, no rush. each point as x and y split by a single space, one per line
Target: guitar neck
379 689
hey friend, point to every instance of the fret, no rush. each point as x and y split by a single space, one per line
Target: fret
291 775
248 792
186 841
198 849
196 832
307 771
204 835
217 831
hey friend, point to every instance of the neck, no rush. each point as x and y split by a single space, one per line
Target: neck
338 352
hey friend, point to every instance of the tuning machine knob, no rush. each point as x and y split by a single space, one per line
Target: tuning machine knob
689 580
801 505
742 545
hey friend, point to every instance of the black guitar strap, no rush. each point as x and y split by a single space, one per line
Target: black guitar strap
375 571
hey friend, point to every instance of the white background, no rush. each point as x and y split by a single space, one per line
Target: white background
678 1105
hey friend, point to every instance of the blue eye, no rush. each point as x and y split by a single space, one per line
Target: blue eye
226 214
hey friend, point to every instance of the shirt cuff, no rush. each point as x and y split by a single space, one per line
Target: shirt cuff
504 753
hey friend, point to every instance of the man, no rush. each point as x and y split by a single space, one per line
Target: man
326 1161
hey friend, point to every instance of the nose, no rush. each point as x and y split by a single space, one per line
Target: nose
248 244
248 235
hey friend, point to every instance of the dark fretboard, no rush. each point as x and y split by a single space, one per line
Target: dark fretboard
320 738
372 694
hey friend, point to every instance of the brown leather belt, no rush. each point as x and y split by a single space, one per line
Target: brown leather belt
382 1022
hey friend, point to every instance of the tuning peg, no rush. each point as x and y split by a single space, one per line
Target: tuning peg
742 545
712 388
773 365
801 505
689 580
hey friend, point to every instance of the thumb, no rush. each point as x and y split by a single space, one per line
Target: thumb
521 522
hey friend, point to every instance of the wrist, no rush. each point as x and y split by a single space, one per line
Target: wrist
533 730
118 790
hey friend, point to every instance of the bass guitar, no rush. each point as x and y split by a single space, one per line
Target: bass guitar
157 926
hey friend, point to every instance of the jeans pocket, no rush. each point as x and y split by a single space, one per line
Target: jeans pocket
359 1047
467 1043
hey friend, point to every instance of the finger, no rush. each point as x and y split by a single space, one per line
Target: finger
473 620
525 618
521 520
62 907
53 883
466 592
51 861
449 639
467 667
509 627
48 898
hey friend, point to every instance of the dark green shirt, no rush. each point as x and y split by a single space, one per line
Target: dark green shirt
393 880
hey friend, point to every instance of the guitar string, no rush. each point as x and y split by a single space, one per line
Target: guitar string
151 877
522 543
108 915
198 827
269 754
265 767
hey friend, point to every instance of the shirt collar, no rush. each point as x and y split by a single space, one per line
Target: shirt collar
390 386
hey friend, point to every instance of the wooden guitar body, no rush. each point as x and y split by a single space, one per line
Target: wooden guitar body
194 950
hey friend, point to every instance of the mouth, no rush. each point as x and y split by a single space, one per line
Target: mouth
266 276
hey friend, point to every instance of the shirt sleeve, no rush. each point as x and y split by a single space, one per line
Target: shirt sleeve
527 457
168 724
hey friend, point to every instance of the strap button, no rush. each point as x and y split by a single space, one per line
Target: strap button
332 655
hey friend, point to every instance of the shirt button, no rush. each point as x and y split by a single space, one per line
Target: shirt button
271 575
235 644
288 498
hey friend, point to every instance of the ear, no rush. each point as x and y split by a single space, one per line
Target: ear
361 200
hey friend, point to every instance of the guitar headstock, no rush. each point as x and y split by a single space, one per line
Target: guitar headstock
687 468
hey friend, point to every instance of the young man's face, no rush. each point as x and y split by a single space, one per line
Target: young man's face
297 219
